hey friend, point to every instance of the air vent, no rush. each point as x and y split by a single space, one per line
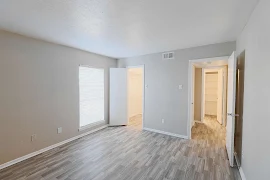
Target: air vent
168 55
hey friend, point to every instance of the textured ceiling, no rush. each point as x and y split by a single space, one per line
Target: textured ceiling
126 28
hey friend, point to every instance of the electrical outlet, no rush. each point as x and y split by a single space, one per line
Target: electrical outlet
162 120
33 137
59 130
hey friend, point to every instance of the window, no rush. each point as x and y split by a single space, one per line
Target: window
91 84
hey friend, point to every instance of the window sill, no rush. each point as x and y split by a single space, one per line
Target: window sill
102 122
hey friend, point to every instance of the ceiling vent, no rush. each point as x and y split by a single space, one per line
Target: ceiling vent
168 55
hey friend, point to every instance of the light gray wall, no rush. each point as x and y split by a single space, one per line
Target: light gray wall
39 92
163 99
255 40
198 94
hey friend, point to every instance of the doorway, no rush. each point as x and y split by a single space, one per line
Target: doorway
135 96
231 100
127 96
209 92
209 95
214 93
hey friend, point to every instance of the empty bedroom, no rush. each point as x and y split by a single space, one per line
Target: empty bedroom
134 89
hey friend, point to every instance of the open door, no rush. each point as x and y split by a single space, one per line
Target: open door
231 108
118 97
224 102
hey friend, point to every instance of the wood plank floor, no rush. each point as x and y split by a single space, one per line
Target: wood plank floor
127 153
135 122
210 131
214 135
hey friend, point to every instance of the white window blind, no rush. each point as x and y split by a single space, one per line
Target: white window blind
91 83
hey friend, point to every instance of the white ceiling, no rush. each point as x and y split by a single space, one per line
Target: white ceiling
126 28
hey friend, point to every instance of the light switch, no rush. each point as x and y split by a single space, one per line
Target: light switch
59 130
180 86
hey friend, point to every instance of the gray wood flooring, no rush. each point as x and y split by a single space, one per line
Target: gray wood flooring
128 153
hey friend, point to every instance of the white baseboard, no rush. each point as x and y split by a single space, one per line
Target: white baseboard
15 161
242 173
197 121
92 125
166 133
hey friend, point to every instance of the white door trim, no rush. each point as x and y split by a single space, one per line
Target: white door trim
203 96
143 109
190 88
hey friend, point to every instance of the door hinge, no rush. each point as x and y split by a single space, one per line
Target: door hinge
234 115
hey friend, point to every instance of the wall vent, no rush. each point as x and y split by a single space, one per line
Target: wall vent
168 55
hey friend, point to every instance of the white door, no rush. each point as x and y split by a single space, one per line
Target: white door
220 96
231 107
224 102
118 97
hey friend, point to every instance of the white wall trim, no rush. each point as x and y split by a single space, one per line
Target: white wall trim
91 125
193 123
15 161
197 121
166 133
242 173
203 96
210 59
